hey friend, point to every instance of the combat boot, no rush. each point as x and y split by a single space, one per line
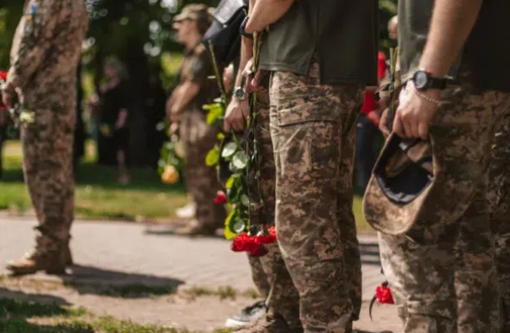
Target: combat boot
42 259
270 323
196 229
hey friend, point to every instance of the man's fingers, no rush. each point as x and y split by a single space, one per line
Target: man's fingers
413 129
423 130
257 79
398 126
226 125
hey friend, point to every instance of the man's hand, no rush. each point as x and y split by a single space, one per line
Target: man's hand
383 124
237 114
415 113
253 81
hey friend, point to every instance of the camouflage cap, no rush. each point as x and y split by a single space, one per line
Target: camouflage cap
195 12
401 186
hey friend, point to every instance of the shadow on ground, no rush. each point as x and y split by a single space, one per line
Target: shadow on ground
98 281
370 254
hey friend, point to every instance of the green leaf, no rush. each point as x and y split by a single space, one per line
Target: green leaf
232 194
245 200
240 160
229 233
213 157
220 136
216 112
239 226
230 183
229 150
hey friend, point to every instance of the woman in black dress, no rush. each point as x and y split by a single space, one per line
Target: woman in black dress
114 115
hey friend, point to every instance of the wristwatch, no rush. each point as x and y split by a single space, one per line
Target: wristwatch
240 94
424 80
242 28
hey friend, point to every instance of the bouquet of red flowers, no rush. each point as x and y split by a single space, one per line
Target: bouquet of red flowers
254 245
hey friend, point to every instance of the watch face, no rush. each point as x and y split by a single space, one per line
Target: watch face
421 80
240 94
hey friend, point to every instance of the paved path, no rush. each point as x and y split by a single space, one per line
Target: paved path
116 252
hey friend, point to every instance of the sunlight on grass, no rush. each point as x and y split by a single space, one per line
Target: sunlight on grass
97 193
99 196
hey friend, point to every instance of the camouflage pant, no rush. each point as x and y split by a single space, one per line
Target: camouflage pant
313 132
499 203
270 273
450 285
48 168
202 182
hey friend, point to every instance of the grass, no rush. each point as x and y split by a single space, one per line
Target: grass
97 193
29 317
99 196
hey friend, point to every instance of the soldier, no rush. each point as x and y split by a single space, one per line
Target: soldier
499 203
185 110
442 272
316 93
44 58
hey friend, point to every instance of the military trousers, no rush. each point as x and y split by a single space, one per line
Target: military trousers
269 272
48 167
313 130
499 203
448 284
202 182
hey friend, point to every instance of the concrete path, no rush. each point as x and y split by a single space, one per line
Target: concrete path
117 253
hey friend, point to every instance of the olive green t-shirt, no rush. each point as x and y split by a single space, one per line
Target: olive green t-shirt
197 67
485 58
343 34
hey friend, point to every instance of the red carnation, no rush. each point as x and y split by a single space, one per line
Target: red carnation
383 294
259 252
221 198
3 75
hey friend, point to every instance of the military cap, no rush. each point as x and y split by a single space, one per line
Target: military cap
399 192
195 12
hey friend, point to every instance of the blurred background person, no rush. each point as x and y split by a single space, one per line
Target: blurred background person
114 103
188 118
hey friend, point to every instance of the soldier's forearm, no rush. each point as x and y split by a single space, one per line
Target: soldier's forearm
266 12
451 25
187 93
246 51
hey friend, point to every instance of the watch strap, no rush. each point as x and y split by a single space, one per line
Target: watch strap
242 28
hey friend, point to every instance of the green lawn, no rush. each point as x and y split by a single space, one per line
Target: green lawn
99 196
28 317
97 193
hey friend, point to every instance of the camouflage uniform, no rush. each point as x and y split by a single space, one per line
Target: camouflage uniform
198 139
447 283
44 57
499 203
313 128
282 297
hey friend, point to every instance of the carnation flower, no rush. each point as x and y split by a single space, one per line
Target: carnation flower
254 245
221 198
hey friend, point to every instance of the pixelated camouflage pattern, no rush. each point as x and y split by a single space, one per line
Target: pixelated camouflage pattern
282 298
202 183
442 274
313 133
499 203
44 57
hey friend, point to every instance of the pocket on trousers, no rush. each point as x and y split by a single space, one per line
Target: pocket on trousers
308 151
